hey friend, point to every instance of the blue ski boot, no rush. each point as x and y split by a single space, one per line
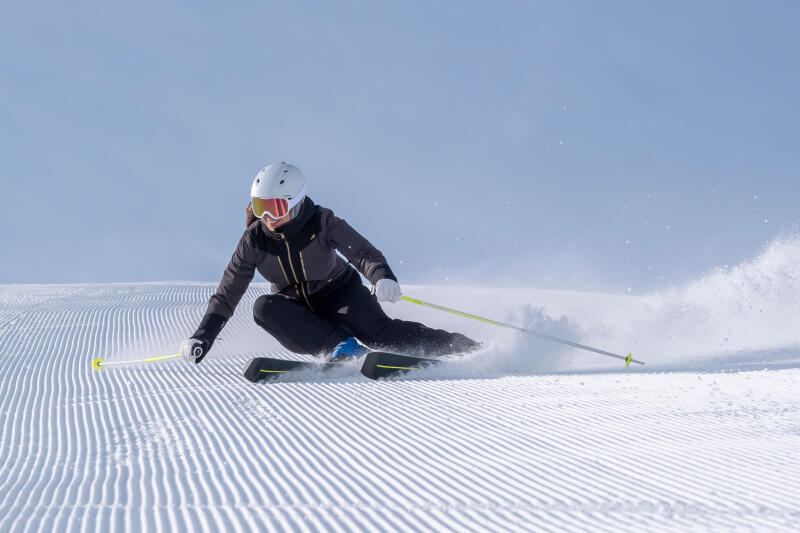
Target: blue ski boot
347 349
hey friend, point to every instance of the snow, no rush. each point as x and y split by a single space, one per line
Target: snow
524 435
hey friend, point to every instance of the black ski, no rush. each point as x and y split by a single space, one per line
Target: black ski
376 365
267 368
384 364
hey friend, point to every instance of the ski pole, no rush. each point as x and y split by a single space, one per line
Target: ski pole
628 359
97 364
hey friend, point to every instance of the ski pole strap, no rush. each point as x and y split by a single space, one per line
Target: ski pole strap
628 359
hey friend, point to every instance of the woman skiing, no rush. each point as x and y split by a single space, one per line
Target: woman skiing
318 304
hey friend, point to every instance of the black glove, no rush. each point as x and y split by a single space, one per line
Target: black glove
194 349
197 346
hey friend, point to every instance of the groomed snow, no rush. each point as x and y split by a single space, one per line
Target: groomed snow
522 436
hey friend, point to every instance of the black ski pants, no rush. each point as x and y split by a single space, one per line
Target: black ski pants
348 309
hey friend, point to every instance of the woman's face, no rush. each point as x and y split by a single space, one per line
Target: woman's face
273 223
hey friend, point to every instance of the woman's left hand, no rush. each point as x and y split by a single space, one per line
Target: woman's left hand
388 290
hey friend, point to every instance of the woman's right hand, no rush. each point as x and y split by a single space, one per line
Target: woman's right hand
194 350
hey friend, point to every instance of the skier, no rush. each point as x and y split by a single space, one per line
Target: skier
318 305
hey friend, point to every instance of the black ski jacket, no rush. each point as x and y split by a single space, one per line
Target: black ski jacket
298 259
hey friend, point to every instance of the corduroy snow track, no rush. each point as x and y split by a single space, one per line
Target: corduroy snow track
173 446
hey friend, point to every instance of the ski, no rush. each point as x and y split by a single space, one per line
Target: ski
376 365
384 364
268 368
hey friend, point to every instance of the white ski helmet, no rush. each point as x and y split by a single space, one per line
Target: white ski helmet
276 189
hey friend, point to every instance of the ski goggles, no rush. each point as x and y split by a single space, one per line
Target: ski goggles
276 207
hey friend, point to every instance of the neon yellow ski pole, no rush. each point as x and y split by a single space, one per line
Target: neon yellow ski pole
628 359
97 364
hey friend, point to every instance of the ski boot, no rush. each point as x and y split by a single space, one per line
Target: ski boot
347 349
462 345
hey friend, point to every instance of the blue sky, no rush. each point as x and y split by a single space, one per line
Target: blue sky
580 145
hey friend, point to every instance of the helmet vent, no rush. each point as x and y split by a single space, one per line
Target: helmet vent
281 183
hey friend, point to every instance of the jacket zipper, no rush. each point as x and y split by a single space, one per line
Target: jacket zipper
303 265
291 267
280 263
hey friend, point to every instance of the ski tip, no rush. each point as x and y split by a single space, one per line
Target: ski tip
97 363
628 360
